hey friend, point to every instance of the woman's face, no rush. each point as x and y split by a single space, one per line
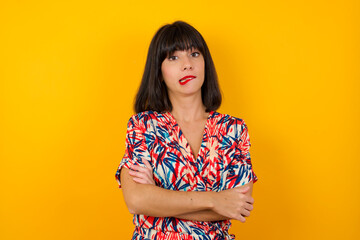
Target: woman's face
184 72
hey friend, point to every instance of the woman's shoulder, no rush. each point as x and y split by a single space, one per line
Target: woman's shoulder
145 116
229 124
227 118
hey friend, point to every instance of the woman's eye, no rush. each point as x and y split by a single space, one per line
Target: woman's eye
172 58
195 54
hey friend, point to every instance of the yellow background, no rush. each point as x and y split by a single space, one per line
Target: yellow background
69 71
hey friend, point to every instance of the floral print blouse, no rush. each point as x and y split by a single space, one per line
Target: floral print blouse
223 162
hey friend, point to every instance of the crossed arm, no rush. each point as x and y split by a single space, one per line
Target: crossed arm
143 197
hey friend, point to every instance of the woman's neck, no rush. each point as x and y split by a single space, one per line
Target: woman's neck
189 108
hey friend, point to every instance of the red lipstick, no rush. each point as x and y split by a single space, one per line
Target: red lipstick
186 79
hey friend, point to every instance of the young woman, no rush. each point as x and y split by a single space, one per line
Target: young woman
186 170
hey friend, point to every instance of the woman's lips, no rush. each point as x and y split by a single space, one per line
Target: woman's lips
186 79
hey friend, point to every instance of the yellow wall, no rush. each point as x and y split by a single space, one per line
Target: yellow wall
69 71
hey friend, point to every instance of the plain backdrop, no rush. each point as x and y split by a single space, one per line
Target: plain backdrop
69 71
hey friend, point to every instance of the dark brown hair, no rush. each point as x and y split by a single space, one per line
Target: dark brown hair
152 94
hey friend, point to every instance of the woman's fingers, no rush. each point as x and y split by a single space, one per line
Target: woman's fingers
234 203
138 174
241 219
140 177
139 168
247 199
140 180
142 174
250 200
146 171
147 164
249 207
244 189
245 213
148 167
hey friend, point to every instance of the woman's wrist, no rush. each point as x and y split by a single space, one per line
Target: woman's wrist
210 200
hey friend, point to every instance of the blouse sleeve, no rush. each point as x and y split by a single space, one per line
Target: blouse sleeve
240 169
136 150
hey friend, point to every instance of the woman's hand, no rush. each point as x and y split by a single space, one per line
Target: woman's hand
142 175
235 203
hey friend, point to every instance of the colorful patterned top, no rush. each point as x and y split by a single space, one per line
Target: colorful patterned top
223 162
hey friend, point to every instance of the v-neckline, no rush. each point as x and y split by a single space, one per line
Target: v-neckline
175 123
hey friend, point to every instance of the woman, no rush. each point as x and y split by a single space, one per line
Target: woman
186 170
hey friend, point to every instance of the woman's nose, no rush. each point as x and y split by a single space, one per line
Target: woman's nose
186 64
